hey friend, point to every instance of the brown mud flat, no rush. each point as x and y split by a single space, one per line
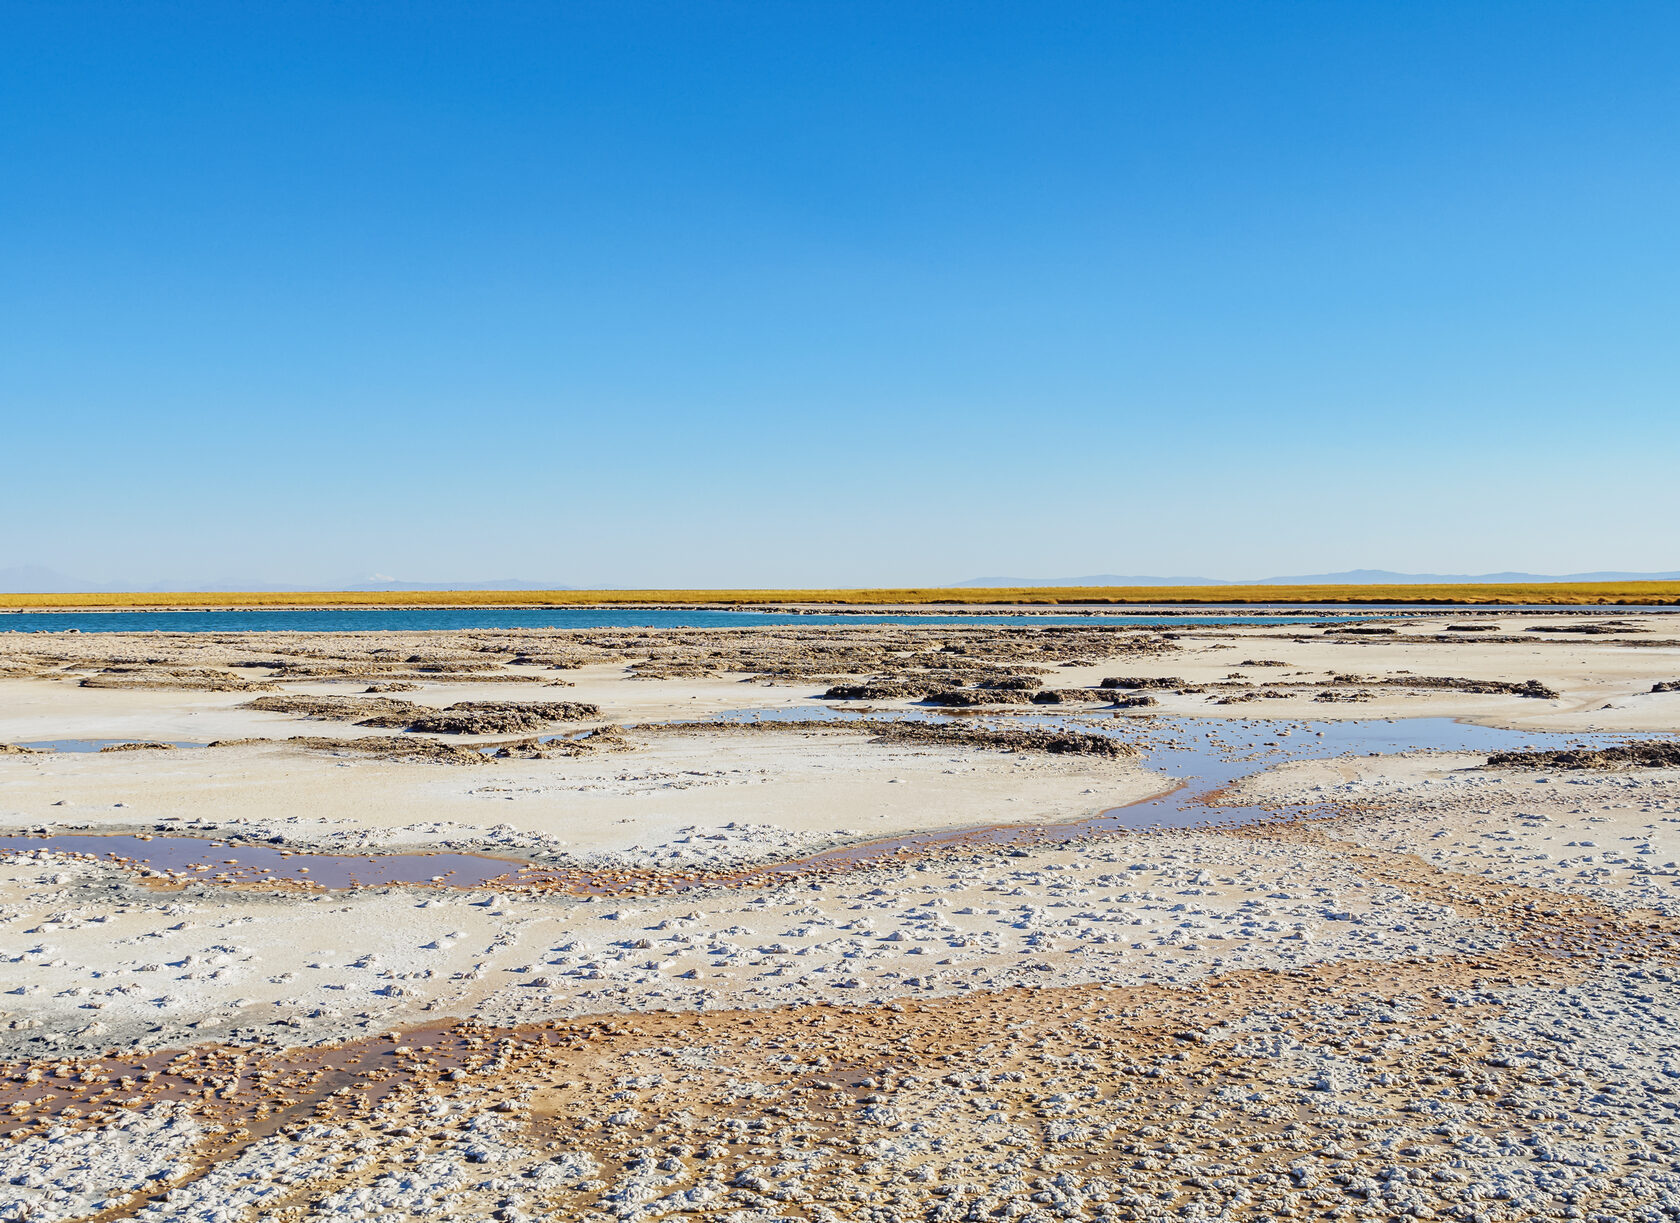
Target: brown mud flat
562 1083
921 654
1146 1101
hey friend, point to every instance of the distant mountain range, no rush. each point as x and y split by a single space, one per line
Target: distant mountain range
1350 577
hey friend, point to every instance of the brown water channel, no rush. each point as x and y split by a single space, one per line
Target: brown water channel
1204 755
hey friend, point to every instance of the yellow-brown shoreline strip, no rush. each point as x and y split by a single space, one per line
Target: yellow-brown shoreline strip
1563 594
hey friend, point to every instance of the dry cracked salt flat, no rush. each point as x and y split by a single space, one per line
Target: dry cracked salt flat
857 922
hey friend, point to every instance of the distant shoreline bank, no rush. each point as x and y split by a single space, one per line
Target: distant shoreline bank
1258 600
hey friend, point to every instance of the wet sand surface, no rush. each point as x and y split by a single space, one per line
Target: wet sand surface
841 922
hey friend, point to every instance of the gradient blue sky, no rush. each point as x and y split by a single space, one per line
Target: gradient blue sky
718 293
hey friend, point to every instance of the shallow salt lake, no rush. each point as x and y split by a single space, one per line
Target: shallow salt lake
429 619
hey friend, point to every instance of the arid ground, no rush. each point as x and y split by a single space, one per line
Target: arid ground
829 922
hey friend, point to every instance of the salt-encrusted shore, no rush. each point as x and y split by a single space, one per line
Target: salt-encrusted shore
1445 989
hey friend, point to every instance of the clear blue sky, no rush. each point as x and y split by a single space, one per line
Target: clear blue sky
717 293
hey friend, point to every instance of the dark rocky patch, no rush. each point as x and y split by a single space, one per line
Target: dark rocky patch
699 668
461 718
1056 742
389 747
888 730
1588 628
882 690
1654 755
1528 687
497 717
607 739
963 697
342 708
180 679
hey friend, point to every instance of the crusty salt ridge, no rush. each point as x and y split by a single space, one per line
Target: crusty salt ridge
1446 995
